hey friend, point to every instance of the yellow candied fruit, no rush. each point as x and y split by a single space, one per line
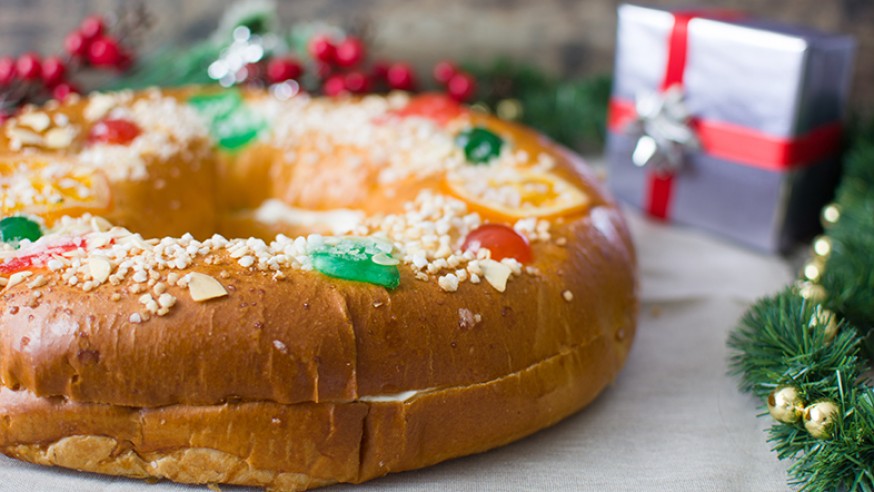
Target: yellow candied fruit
50 189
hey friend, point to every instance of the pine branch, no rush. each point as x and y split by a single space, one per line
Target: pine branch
782 340
571 112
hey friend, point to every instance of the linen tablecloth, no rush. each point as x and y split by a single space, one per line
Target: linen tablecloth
672 421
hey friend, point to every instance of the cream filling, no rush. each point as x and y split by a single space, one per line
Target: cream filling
339 221
401 397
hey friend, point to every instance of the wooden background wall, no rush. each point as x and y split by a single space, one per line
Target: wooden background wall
565 36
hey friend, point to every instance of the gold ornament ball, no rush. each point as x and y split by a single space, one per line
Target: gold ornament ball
819 419
811 291
785 405
825 318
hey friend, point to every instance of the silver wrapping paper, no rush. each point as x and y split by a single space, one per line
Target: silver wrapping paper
779 80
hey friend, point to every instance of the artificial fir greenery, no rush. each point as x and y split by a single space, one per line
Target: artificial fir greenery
571 112
786 340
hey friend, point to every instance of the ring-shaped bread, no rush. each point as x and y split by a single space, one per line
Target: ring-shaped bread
429 282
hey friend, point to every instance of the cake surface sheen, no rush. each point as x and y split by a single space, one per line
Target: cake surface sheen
228 287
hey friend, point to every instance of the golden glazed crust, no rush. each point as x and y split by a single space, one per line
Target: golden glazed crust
291 379
294 447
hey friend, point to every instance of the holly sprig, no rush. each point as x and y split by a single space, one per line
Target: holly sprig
809 342
331 60
100 42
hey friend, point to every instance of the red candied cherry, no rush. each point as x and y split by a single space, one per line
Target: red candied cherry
438 107
400 76
7 70
444 71
63 90
501 240
104 52
92 27
322 49
334 85
114 132
350 52
76 44
53 71
282 69
28 66
461 87
356 82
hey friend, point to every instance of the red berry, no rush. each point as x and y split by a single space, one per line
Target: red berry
322 49
76 44
53 71
356 82
282 69
400 76
379 71
114 131
350 52
254 72
4 117
334 85
28 66
125 60
104 52
444 71
63 90
323 70
461 87
7 70
501 240
92 27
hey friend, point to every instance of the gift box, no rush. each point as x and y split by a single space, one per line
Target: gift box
727 123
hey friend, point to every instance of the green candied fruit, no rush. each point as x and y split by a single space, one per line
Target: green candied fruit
16 228
359 259
480 145
231 123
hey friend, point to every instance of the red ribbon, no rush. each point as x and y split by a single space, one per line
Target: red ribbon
723 140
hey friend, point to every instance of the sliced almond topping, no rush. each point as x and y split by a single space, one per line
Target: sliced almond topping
98 241
18 277
23 137
98 106
384 259
99 224
37 282
204 287
36 121
59 138
496 274
100 268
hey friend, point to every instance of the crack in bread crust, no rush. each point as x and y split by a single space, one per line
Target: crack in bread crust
192 465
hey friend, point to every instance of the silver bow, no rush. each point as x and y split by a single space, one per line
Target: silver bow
663 132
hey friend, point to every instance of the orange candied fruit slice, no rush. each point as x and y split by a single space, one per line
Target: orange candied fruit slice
516 193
